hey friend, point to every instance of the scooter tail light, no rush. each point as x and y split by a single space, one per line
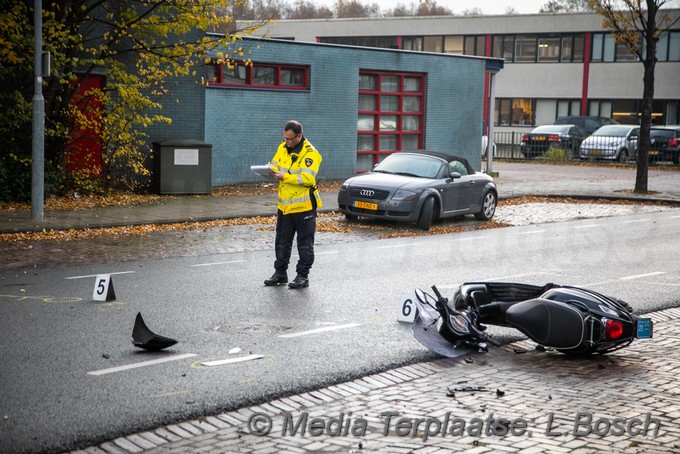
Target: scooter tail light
613 329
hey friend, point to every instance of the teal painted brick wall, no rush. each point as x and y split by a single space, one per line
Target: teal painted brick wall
245 126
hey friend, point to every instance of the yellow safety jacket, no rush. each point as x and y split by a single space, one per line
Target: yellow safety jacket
299 180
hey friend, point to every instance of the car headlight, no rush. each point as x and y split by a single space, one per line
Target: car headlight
403 194
344 187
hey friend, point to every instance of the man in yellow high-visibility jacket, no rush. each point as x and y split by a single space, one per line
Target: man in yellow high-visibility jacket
295 164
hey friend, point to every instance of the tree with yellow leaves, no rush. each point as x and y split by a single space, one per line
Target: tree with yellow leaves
136 46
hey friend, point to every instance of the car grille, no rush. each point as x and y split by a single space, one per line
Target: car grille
374 194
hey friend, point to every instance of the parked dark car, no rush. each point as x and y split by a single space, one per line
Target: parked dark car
665 143
588 123
419 187
538 141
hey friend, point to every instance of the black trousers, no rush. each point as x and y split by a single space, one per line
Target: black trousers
287 226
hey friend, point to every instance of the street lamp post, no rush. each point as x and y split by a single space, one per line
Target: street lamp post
38 163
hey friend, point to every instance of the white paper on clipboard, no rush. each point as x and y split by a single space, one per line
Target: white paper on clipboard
263 171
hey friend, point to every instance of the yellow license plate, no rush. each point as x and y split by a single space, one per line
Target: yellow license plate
539 138
365 205
596 152
653 152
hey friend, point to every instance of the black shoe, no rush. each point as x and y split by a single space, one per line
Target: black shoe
299 282
277 279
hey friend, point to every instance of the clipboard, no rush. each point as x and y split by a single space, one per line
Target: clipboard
264 171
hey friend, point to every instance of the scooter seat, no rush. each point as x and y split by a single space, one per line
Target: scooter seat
550 323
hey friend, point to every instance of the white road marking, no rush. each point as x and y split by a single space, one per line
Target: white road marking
625 278
636 220
530 232
398 245
472 238
95 275
589 226
141 364
319 330
325 252
675 217
638 276
219 263
240 359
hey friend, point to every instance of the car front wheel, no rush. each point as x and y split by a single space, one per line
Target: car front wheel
623 155
489 202
426 214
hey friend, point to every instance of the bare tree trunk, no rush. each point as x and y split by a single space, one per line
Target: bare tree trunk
642 177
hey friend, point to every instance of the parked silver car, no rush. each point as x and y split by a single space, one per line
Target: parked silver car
419 187
616 142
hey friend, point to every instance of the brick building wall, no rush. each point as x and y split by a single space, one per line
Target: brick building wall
245 125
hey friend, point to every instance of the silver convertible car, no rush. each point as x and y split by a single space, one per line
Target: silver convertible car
419 187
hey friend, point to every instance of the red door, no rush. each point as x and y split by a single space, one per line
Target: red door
84 148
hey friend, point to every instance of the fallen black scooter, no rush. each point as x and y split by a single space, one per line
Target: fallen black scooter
571 320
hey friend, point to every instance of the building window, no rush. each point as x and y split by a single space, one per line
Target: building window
386 42
605 49
525 49
549 48
515 112
258 75
390 116
433 44
413 43
453 45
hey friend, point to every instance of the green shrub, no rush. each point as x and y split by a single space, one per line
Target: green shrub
556 154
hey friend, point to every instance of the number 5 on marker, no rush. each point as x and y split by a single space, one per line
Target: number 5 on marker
103 288
407 310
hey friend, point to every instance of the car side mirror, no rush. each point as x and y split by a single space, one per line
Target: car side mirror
454 175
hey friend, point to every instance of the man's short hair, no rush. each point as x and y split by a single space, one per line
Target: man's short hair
293 125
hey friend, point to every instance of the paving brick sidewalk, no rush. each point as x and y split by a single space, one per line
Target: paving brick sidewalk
628 400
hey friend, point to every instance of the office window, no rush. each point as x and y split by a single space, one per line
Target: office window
412 43
549 48
257 75
433 44
390 116
674 46
386 42
579 47
453 44
605 49
525 48
515 112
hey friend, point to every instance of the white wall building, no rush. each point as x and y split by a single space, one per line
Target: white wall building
555 64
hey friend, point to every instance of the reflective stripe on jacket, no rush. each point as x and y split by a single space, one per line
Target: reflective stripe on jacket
299 180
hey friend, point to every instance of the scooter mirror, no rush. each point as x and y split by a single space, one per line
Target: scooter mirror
421 296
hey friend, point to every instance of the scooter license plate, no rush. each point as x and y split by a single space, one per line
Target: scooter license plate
645 328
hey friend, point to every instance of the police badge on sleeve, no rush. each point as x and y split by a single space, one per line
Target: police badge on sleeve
308 162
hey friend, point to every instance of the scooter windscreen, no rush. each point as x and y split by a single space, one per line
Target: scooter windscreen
425 331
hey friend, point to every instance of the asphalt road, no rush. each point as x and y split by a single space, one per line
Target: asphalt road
59 348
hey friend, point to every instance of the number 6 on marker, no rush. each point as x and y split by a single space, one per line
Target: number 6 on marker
407 310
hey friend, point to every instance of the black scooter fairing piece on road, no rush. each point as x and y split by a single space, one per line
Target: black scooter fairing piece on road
544 322
143 337
425 331
430 338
